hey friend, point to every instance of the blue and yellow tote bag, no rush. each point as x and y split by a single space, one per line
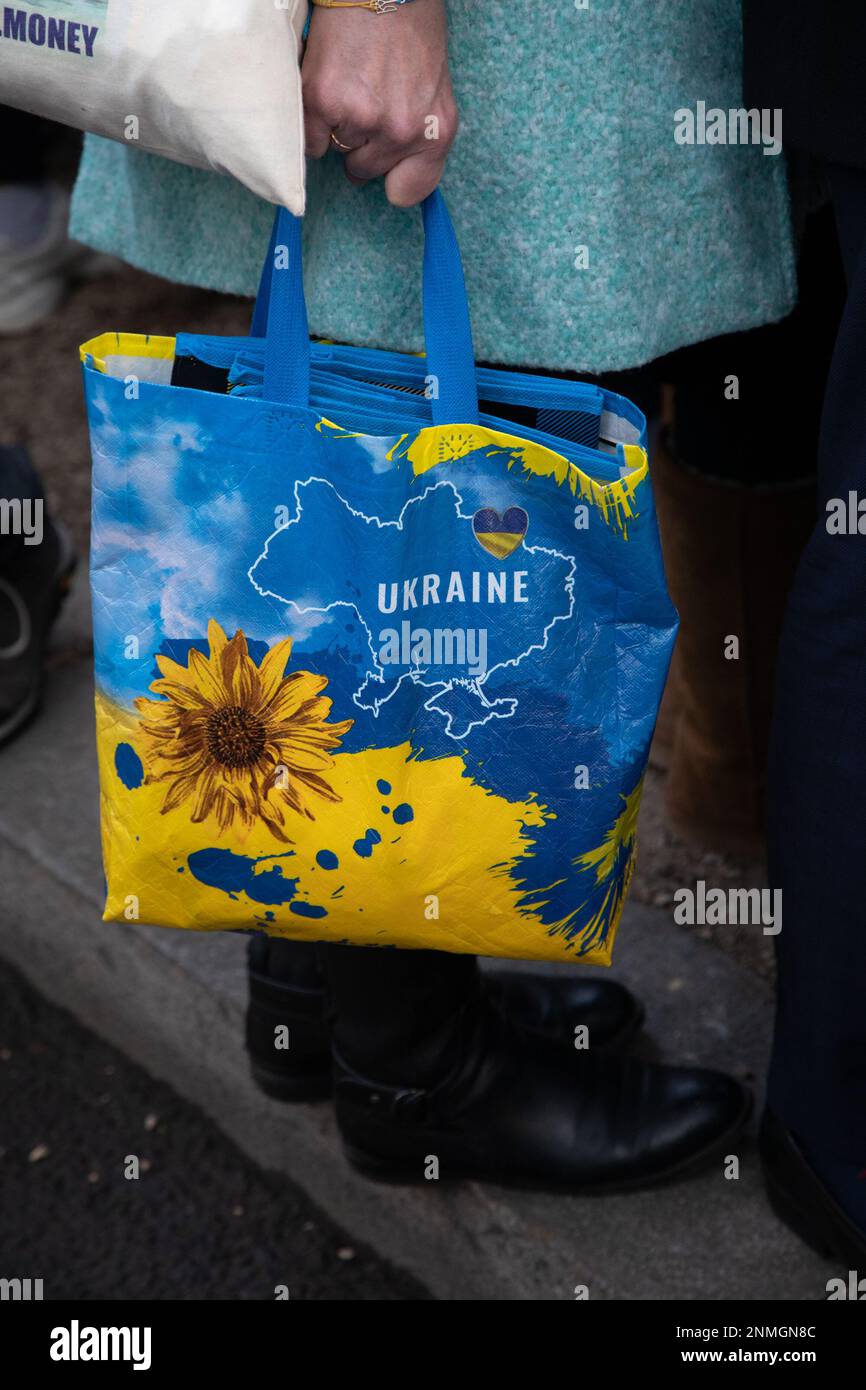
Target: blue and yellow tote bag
380 639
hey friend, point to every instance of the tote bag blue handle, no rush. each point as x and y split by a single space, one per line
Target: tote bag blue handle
280 317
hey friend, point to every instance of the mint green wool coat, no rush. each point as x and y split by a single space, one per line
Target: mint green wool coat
566 142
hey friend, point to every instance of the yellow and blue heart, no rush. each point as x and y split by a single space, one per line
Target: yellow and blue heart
500 535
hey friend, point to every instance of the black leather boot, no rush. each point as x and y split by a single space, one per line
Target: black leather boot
505 1112
287 1005
552 1006
800 1199
543 1006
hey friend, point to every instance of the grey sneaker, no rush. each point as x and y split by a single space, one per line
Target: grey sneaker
32 590
35 277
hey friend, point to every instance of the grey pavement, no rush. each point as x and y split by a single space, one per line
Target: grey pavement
173 1003
198 1220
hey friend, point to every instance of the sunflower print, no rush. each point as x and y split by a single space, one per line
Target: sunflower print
243 742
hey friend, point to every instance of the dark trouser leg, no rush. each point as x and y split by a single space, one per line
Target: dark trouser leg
25 197
735 491
399 1016
817 792
749 441
24 140
298 963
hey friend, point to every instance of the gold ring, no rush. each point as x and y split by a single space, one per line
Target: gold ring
339 143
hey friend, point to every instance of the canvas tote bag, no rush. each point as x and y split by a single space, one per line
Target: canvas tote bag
210 83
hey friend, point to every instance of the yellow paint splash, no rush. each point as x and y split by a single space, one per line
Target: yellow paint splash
605 856
454 858
615 501
443 444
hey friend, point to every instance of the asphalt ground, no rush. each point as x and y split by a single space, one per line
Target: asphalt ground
199 1222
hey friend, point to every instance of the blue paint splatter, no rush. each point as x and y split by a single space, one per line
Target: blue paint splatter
235 873
364 848
384 787
327 859
386 810
128 766
308 909
403 814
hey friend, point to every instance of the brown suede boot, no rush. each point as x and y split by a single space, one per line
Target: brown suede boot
730 554
662 747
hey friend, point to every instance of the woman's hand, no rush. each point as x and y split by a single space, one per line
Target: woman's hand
381 84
